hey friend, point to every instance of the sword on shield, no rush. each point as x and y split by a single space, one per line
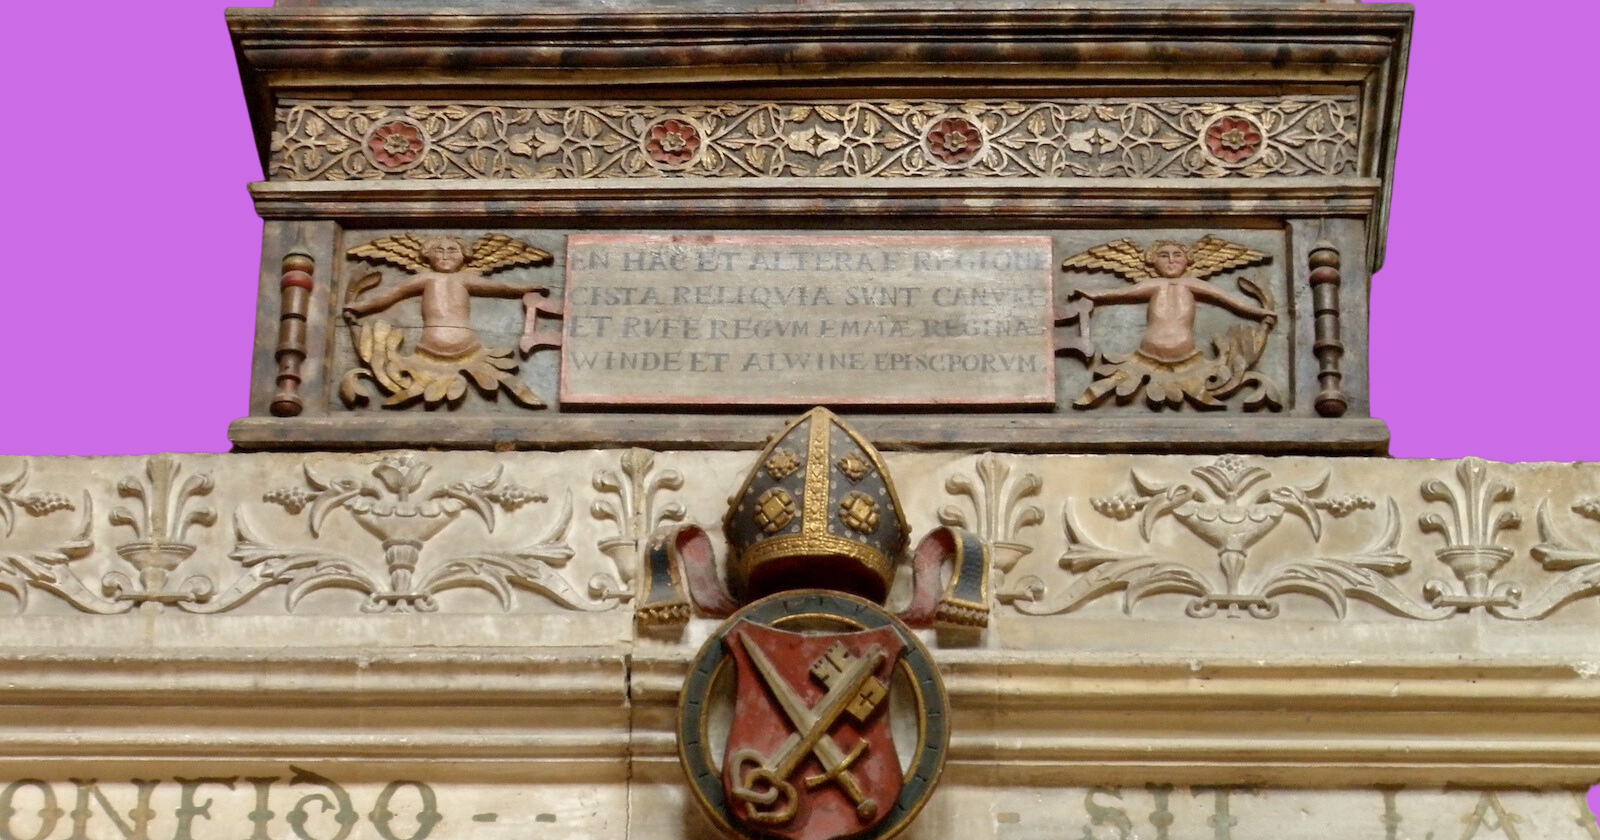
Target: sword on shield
846 691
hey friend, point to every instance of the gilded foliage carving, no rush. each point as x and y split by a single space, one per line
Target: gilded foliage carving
1108 138
1230 512
1171 279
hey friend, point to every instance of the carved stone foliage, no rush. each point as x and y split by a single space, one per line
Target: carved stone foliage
403 511
1579 563
629 498
44 566
1232 510
1105 138
1000 511
1238 536
167 510
1476 516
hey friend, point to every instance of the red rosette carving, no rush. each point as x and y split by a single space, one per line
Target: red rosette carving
395 145
955 140
672 142
1233 139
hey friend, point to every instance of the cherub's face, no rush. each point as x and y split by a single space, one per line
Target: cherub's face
444 254
1170 260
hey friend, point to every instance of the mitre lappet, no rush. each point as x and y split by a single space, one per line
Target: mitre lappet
817 511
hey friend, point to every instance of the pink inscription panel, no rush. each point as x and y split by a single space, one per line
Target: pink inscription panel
801 320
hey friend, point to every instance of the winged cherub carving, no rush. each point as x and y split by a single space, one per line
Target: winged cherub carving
1170 278
448 274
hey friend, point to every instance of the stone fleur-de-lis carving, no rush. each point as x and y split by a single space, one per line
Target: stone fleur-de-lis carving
161 535
44 568
1580 565
1469 533
403 514
1231 519
634 510
999 513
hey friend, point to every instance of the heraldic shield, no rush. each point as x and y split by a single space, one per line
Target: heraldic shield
823 685
810 754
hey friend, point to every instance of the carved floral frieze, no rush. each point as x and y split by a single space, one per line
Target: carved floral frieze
1172 538
1471 529
1103 138
403 511
1579 562
1233 508
1000 509
630 498
43 564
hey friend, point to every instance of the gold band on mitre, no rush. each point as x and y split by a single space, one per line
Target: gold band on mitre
845 532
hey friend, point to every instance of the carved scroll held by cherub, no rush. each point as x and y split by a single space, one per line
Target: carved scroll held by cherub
1170 279
448 274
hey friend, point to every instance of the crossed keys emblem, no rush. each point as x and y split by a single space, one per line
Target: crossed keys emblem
762 781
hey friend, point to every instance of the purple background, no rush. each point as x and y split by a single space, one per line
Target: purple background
126 322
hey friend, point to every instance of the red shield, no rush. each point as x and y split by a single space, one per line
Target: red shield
810 755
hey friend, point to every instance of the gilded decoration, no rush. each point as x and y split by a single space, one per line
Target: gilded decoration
782 464
1101 138
854 466
1171 279
447 272
858 511
774 510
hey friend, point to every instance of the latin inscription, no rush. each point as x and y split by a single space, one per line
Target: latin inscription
654 319
294 803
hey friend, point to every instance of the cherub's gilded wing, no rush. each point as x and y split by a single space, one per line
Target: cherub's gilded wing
1213 256
495 251
1121 257
403 250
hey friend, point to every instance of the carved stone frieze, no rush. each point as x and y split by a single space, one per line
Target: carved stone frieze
489 533
1476 516
1103 138
999 510
1578 562
42 565
404 514
167 510
629 499
1230 513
